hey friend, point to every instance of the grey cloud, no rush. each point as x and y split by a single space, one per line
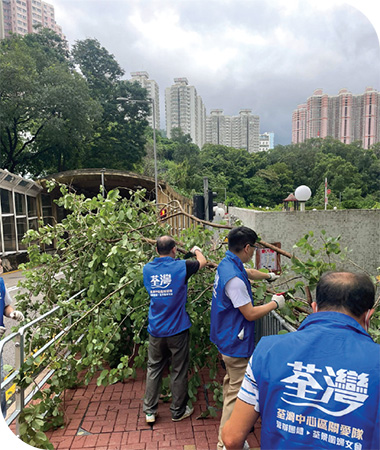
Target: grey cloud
331 49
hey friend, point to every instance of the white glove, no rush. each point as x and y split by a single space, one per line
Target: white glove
272 277
193 250
17 315
2 331
279 299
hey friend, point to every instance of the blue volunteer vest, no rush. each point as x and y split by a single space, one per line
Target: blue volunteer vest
165 281
319 387
2 302
227 321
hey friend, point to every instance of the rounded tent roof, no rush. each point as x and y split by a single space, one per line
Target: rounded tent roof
88 181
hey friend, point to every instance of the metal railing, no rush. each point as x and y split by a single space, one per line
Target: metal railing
271 324
268 325
22 397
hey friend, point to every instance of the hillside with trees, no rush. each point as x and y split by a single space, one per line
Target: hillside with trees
266 178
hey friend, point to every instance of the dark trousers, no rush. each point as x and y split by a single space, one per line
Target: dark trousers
159 351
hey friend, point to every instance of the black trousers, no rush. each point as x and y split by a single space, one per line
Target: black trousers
159 351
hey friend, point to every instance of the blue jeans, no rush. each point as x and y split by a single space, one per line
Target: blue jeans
2 392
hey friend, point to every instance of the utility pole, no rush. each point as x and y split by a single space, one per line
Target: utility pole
205 195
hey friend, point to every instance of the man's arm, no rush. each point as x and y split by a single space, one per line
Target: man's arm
199 255
254 274
251 312
13 314
238 426
8 310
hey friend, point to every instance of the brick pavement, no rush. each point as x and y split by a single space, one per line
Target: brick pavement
111 418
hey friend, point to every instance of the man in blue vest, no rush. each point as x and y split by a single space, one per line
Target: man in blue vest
165 279
7 311
318 387
233 313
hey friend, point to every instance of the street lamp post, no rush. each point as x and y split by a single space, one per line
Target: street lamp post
149 100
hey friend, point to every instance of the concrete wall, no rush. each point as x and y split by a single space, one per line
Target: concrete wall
359 230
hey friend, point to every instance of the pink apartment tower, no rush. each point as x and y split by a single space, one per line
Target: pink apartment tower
345 116
20 17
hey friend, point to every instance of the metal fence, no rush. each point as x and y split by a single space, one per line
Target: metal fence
268 325
271 324
24 396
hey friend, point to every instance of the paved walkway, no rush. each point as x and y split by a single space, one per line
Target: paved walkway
111 418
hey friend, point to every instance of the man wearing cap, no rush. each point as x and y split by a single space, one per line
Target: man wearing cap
165 279
233 313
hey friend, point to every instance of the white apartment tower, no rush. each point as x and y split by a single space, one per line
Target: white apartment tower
240 131
153 92
266 141
185 109
218 128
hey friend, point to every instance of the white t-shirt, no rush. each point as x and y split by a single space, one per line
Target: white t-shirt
7 298
236 291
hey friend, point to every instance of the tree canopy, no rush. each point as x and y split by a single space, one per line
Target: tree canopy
59 111
46 109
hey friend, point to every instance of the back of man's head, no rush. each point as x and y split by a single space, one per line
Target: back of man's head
239 237
353 292
164 245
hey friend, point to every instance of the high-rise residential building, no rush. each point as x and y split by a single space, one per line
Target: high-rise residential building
345 116
240 131
20 17
185 109
153 92
266 141
218 128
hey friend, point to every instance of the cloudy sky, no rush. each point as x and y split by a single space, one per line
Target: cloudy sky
267 55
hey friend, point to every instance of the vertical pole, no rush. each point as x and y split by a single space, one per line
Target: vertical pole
103 187
19 393
13 193
325 194
155 149
205 195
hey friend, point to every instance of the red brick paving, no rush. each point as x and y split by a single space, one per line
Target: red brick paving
113 419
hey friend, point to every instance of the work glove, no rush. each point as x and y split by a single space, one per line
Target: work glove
272 277
17 315
195 248
2 331
279 299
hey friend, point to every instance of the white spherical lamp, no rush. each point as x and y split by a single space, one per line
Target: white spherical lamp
302 194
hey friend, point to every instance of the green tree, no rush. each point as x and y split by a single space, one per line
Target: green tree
119 138
179 162
46 112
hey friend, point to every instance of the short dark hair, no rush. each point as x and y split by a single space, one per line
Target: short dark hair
239 237
165 244
354 292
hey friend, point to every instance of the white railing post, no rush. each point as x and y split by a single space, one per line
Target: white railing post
19 393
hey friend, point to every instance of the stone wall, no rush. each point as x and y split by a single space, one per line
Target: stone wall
359 230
